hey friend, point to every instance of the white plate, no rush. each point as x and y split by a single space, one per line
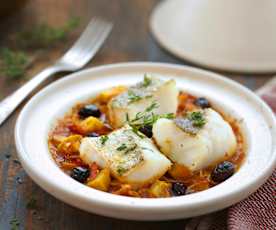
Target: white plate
236 35
41 112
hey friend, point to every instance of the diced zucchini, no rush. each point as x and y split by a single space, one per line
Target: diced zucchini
102 181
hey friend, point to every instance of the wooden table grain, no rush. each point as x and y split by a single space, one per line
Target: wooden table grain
130 41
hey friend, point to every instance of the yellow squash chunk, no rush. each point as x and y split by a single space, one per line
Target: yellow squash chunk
70 145
102 181
91 124
106 95
160 189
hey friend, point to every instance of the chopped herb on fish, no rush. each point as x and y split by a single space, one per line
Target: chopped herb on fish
131 148
197 118
132 97
103 139
122 147
137 132
144 148
121 170
147 80
146 118
191 123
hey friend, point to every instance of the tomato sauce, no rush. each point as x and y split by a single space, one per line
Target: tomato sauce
67 157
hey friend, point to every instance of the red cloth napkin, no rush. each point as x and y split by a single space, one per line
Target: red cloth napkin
258 211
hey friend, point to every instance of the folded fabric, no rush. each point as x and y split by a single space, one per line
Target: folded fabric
268 93
256 212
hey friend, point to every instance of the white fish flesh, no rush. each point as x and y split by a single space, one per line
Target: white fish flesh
192 146
139 97
131 158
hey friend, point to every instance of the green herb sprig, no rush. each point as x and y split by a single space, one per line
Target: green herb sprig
131 148
122 147
103 139
126 149
197 118
14 223
13 63
146 118
147 81
132 97
43 35
121 170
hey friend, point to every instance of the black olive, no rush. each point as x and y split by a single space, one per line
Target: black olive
147 130
178 189
89 110
80 174
222 171
93 135
202 102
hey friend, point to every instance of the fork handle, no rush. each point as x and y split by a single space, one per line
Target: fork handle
10 103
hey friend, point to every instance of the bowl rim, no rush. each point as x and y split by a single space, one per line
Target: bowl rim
202 61
147 204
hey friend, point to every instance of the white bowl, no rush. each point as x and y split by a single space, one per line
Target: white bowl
41 112
236 35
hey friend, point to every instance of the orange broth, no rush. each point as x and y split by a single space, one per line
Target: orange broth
69 125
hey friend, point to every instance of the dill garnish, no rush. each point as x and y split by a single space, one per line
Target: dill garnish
131 148
144 148
197 118
191 123
121 170
132 97
14 223
127 149
103 139
122 147
146 118
147 80
13 63
43 35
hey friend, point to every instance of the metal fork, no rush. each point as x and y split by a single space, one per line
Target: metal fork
74 59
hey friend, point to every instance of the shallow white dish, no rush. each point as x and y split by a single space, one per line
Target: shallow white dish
236 35
41 112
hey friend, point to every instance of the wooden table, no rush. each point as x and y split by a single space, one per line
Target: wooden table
129 41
